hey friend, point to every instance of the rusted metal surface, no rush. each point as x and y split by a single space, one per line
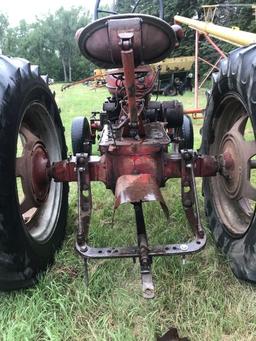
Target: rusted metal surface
32 167
181 249
64 171
145 78
237 154
189 193
138 188
161 166
99 41
40 179
135 189
84 198
233 190
204 165
129 78
194 112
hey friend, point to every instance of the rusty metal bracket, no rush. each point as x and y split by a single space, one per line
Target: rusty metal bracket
84 197
189 192
84 204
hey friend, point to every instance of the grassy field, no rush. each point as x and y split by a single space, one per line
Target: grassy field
201 298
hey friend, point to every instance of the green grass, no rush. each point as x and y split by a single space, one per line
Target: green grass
201 298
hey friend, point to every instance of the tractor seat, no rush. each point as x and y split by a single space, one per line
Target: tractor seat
153 39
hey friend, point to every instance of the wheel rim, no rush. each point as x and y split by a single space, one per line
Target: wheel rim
234 193
39 196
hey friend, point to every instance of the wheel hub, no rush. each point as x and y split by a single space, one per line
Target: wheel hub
40 181
33 168
233 163
238 153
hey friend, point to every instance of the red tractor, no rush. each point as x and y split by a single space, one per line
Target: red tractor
142 144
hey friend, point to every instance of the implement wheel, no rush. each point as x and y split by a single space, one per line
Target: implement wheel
186 134
33 208
229 132
81 136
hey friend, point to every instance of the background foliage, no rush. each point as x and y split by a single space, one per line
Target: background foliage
49 41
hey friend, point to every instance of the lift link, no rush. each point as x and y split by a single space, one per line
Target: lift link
84 207
189 192
84 198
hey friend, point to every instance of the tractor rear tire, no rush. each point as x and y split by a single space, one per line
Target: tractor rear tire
29 237
230 119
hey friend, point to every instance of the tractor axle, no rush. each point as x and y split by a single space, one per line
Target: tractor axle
101 168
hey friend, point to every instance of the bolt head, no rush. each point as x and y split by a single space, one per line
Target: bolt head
184 247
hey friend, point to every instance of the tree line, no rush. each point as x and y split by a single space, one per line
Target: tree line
49 41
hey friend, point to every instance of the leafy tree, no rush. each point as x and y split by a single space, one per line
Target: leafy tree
64 25
3 28
50 43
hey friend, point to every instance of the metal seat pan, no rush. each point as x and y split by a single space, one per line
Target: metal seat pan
99 41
